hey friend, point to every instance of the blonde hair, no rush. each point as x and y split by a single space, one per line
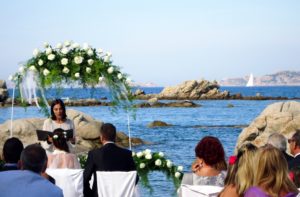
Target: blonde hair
245 174
272 172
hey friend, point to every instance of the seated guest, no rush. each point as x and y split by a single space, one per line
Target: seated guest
109 157
61 156
271 175
209 157
295 150
279 141
28 181
11 153
235 182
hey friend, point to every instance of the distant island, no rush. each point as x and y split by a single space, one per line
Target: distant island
282 78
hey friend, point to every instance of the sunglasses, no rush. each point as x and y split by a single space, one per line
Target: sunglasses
290 140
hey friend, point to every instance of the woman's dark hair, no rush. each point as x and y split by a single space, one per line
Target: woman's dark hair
60 140
210 150
61 103
12 150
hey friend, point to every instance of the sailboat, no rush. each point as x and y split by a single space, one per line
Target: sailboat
250 81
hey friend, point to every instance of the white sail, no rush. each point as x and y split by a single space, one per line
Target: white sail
250 81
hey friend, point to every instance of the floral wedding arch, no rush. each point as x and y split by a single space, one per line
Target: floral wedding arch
69 63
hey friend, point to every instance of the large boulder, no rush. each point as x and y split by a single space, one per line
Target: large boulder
193 89
3 91
87 131
281 117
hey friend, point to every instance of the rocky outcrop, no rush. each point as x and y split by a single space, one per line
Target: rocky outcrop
87 131
281 117
170 104
158 123
190 90
3 91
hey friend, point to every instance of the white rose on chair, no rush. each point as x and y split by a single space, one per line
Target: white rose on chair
177 174
169 164
59 45
139 154
148 156
120 76
110 70
161 154
32 68
180 168
142 165
78 60
36 52
48 51
101 79
64 61
90 52
65 51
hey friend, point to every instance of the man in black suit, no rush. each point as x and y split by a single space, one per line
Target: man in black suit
295 150
12 149
109 157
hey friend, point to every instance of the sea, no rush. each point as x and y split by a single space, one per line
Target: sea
190 125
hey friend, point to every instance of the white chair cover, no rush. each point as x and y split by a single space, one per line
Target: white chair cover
199 190
116 184
69 180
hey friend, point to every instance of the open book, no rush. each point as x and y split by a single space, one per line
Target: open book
42 135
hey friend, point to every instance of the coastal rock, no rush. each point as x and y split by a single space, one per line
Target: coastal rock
139 92
87 131
185 103
281 117
3 91
191 90
158 123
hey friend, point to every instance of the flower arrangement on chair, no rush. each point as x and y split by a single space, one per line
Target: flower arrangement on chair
68 63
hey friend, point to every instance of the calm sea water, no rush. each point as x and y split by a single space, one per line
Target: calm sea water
190 124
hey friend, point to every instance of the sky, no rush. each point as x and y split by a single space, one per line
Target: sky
161 41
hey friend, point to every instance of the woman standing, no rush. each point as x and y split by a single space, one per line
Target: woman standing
58 119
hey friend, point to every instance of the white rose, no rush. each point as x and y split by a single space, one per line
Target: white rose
85 46
32 68
161 154
158 162
10 77
101 79
67 43
40 62
169 164
36 52
90 62
78 59
128 80
106 59
51 57
64 61
139 154
147 151
148 156
88 70
180 168
133 154
46 44
110 70
120 76
21 69
66 70
90 52
48 51
99 50
109 54
77 75
59 45
75 45
177 174
64 51
46 72
142 165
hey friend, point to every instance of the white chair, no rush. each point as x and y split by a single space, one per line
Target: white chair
199 190
116 184
69 180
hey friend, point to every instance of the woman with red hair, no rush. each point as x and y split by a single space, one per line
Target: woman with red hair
210 165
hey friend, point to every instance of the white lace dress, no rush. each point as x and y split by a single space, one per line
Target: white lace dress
51 125
62 159
194 179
